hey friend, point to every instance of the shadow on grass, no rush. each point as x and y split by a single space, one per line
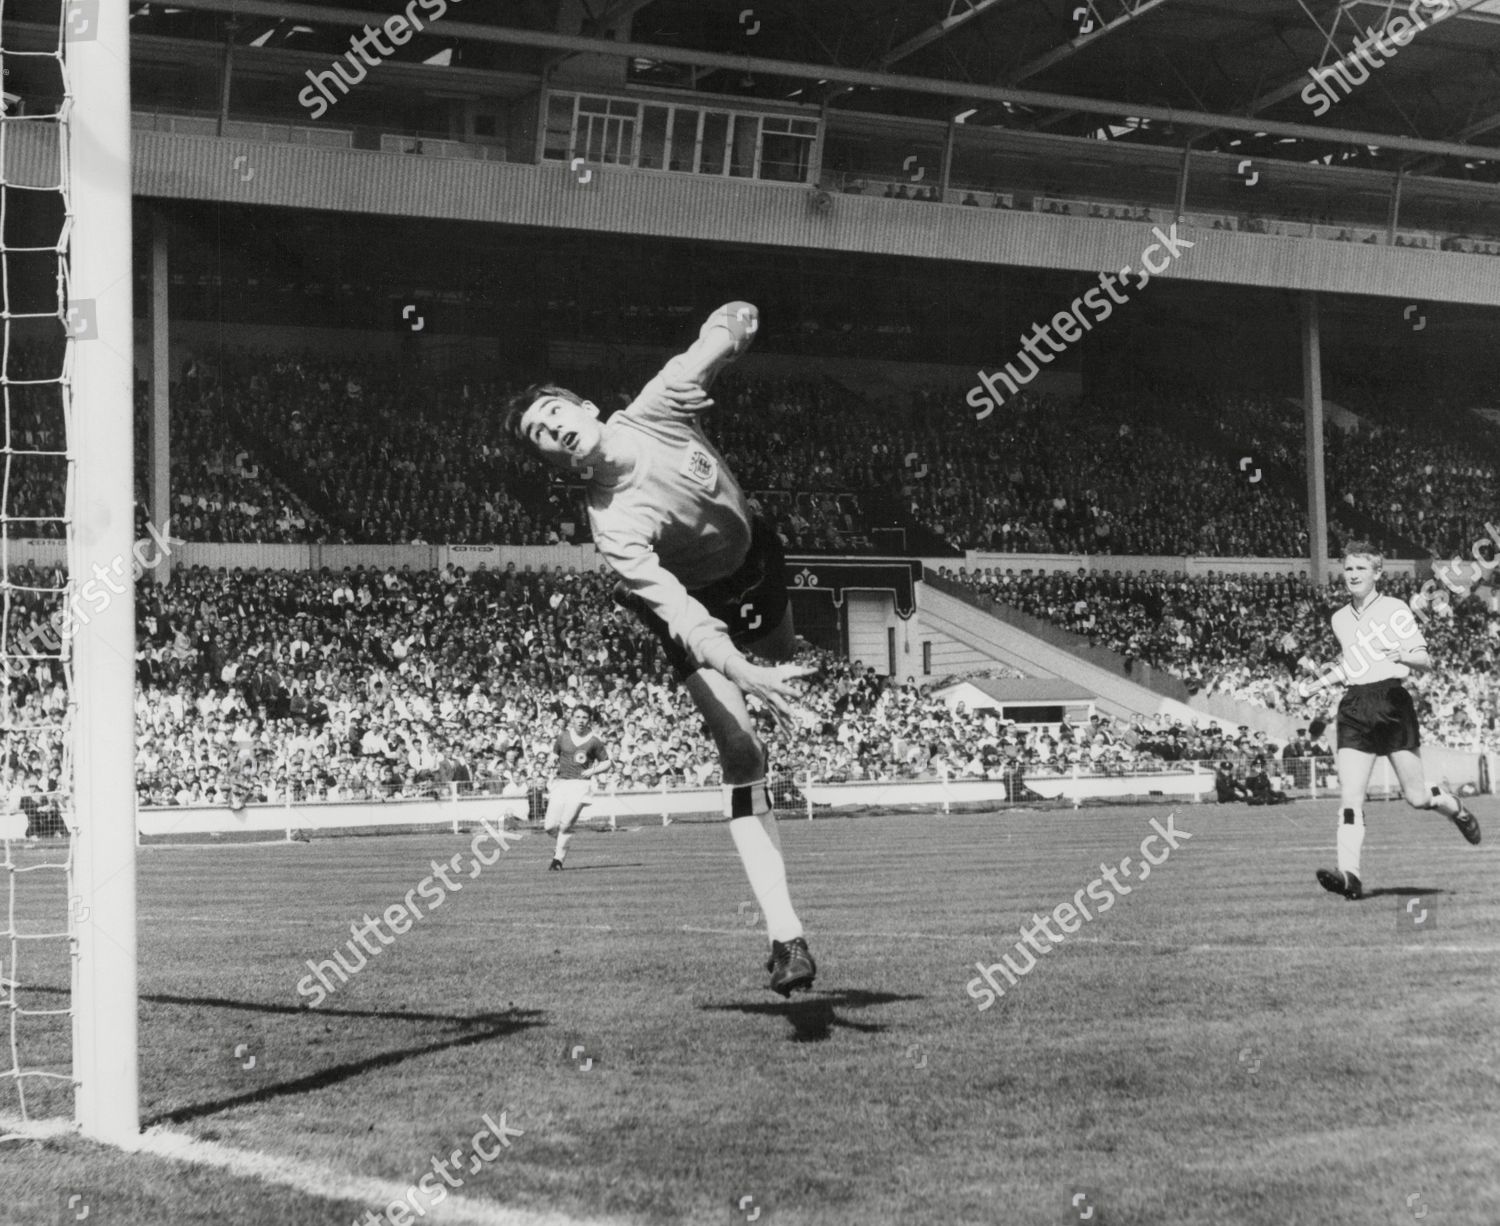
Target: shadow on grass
595 868
1404 891
479 1028
813 1017
256 1006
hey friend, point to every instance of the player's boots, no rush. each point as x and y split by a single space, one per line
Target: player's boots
555 866
791 966
1467 823
1347 884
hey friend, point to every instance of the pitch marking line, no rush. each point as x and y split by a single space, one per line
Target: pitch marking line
308 1178
1420 947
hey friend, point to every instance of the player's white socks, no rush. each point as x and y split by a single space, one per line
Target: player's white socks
1444 802
563 836
1350 839
752 825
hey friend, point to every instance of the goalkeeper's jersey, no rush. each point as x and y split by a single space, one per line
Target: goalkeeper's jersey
677 523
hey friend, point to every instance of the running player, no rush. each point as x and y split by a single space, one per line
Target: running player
707 578
580 756
1381 645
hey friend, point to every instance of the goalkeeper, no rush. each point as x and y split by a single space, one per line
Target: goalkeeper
705 577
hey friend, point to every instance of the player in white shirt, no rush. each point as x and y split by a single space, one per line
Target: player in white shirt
703 574
1381 645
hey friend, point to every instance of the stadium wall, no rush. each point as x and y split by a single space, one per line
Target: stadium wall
1050 563
1000 642
871 616
177 166
50 552
259 821
950 656
1183 781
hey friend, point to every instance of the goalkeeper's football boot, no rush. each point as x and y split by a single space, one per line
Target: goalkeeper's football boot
1347 884
791 966
1467 823
555 866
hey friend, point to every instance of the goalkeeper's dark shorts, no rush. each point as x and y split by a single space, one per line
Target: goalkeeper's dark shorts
1379 718
751 602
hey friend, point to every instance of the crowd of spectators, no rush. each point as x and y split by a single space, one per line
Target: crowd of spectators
1042 475
274 687
392 456
36 468
1047 475
1244 635
266 687
1423 479
219 491
274 448
1436 492
269 686
33 696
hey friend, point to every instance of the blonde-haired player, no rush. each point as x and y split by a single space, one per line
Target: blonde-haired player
1381 645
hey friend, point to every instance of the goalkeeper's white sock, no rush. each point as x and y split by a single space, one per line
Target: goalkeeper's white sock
1443 801
752 825
1351 838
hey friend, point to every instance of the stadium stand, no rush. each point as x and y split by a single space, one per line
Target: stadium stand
1243 636
316 451
267 687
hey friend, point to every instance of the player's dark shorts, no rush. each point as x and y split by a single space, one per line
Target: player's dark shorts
1379 718
749 602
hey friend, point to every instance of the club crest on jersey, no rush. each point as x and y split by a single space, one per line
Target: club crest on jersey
700 467
581 758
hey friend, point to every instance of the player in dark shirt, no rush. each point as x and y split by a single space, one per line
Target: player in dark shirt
580 756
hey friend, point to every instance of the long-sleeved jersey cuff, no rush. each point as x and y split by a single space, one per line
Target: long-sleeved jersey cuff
714 650
740 319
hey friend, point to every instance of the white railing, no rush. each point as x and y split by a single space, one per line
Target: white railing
239 129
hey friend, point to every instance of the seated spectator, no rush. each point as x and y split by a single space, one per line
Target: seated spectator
1227 786
1259 785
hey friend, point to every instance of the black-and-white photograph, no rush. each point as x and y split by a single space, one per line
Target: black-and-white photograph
749 612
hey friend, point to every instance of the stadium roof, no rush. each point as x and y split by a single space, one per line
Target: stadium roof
1215 74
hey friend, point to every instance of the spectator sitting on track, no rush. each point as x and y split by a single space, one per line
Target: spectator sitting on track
1228 787
1259 785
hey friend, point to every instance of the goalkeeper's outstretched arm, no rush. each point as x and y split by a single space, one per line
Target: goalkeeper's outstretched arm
725 335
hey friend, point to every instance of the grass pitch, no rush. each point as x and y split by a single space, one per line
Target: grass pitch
1226 1044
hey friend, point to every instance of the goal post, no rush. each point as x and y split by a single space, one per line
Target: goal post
97 315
